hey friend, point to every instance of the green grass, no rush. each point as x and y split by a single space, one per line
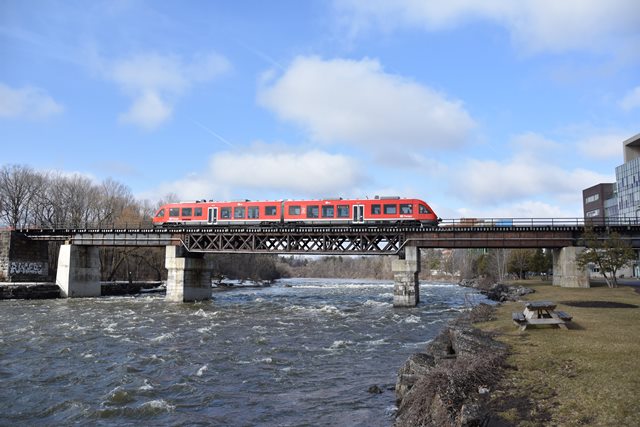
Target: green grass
586 375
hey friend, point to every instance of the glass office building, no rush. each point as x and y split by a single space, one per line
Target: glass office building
628 180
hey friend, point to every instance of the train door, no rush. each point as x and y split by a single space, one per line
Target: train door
212 217
358 214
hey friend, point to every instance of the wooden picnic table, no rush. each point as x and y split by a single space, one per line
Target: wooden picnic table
541 313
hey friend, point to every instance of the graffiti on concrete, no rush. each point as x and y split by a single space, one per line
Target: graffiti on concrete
27 268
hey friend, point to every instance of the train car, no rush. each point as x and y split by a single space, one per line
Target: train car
338 211
382 210
219 213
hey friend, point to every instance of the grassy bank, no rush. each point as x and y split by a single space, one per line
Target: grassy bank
586 375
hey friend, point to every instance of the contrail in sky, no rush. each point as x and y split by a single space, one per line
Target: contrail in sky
212 133
261 55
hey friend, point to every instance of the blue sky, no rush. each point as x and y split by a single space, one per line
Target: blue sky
483 109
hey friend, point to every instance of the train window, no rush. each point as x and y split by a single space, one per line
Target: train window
423 209
406 209
328 212
313 211
294 210
375 210
186 211
238 212
253 212
270 210
174 212
390 209
160 213
225 213
197 212
343 211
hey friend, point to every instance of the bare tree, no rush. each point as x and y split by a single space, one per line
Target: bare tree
19 186
609 252
499 262
520 261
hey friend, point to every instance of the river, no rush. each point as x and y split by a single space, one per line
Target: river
302 352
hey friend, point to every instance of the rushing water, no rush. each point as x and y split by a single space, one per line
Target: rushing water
302 352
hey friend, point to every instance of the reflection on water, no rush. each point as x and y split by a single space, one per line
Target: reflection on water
302 352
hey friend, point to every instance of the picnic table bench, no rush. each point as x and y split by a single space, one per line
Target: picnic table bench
540 313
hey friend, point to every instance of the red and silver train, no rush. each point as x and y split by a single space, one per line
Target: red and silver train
381 210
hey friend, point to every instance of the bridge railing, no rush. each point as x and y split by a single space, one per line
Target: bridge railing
538 222
449 222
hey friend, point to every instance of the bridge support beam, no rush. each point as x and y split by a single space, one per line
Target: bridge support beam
78 271
566 272
406 287
189 275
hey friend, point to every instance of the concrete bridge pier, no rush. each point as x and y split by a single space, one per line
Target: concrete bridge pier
189 275
78 271
566 272
406 287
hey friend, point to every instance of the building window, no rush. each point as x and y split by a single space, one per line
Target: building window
593 213
592 198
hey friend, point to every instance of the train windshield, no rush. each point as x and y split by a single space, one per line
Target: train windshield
160 213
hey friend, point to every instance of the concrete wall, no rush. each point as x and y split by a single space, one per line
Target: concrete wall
406 287
78 271
23 260
188 275
566 272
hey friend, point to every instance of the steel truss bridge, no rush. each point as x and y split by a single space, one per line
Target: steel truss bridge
348 240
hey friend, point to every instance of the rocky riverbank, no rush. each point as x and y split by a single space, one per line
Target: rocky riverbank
51 290
448 384
29 291
496 291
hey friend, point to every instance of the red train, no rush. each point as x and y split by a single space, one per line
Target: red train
381 210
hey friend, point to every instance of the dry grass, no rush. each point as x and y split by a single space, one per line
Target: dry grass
587 375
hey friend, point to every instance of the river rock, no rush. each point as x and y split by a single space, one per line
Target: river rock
438 386
501 292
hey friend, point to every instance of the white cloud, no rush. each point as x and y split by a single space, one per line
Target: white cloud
356 102
191 187
148 111
154 81
535 25
631 100
490 181
603 146
265 171
533 144
312 173
28 102
523 209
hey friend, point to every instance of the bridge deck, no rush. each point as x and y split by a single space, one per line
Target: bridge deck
330 240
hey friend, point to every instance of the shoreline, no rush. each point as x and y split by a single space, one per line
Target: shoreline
448 384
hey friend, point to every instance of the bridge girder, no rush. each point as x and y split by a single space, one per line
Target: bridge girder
333 240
